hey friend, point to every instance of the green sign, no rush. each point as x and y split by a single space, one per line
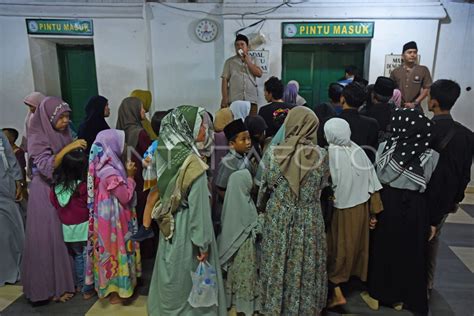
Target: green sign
60 27
328 29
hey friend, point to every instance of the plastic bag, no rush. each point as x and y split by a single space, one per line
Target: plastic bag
204 290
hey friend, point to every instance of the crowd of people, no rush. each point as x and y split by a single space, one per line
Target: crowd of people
286 203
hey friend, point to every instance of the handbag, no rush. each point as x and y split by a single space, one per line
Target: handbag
267 194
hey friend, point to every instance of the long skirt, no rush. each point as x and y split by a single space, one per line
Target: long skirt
47 269
398 253
348 241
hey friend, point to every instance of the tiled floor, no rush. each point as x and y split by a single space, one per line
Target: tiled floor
453 293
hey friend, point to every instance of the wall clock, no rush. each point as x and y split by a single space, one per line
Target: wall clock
206 30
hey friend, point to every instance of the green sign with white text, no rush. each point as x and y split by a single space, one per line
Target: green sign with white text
327 29
60 27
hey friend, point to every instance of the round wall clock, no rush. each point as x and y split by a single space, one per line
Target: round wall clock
206 30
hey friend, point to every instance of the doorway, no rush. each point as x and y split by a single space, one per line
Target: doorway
316 66
78 78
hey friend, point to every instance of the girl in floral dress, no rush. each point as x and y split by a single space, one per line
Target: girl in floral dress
113 262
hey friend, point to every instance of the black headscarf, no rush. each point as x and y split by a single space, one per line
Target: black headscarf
94 121
407 151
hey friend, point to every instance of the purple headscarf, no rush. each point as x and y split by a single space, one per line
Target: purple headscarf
41 133
104 159
291 93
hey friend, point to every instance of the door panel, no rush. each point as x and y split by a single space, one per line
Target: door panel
316 66
78 78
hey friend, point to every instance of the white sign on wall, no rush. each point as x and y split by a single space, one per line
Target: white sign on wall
393 61
261 58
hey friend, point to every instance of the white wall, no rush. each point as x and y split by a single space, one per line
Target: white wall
119 46
455 56
44 60
16 77
185 70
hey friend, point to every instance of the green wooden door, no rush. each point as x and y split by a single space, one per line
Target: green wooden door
316 66
78 78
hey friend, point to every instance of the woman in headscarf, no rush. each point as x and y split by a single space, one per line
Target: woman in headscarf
12 234
237 251
46 271
398 276
223 117
97 109
396 98
145 97
355 185
113 261
131 114
293 262
300 101
240 109
183 214
291 93
32 101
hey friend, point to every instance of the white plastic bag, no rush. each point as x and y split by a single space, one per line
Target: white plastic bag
204 290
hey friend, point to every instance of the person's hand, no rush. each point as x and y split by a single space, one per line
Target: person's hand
79 143
409 105
432 233
372 222
146 161
224 103
18 195
203 256
131 169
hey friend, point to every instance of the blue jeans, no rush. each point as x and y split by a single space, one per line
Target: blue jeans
78 251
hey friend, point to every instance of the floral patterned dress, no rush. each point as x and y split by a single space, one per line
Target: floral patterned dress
293 262
113 262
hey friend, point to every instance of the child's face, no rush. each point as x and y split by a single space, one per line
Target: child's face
63 122
242 143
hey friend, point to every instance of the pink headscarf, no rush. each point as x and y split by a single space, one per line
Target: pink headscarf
33 99
41 134
396 98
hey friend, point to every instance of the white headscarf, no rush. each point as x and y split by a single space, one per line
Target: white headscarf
240 109
353 175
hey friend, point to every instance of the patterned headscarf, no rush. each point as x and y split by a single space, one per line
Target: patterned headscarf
176 143
104 160
298 154
407 151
